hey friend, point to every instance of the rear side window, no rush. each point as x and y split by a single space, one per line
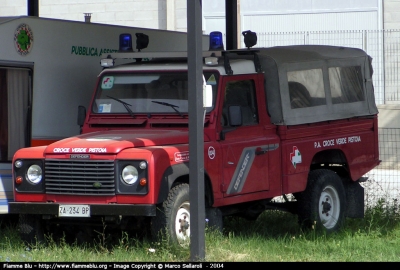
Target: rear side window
306 88
346 84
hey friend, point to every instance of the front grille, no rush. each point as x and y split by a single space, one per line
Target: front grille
79 177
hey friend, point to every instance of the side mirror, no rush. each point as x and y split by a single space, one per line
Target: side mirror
81 115
235 115
207 96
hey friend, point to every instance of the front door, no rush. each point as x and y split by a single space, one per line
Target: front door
244 147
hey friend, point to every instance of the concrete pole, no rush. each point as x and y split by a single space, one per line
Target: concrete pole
196 130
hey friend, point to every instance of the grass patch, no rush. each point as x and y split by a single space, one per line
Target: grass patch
274 237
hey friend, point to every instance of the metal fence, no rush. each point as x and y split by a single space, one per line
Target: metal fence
384 181
384 48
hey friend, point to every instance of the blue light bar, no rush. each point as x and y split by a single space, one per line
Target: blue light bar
216 41
125 43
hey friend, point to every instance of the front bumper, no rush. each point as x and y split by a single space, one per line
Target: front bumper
143 210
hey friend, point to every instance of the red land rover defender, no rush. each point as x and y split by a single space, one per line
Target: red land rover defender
298 120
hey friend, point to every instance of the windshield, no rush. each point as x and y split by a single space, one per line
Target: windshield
163 92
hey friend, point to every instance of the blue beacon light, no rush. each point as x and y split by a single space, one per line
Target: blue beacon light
216 41
125 42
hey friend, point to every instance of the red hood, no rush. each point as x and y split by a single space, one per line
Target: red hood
115 141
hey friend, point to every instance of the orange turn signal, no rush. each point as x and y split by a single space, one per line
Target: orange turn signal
143 182
18 180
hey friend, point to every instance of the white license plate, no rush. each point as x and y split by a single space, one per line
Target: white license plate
73 210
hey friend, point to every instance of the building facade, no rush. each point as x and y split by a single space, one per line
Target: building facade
257 15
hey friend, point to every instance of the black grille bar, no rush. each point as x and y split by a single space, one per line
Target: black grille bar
79 177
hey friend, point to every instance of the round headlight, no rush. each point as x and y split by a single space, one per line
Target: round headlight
130 175
34 174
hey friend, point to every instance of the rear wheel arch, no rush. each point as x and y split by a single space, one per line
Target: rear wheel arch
332 159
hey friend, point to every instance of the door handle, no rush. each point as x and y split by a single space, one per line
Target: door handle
261 151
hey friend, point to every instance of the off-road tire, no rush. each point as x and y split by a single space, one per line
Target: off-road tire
322 205
30 229
172 220
166 225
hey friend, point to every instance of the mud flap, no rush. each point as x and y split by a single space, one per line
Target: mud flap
355 199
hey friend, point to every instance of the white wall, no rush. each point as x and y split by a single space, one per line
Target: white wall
138 13
305 6
154 13
295 15
13 7
391 14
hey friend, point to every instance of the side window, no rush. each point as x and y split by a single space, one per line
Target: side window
241 93
306 88
346 84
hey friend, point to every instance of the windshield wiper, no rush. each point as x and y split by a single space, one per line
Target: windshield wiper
126 105
169 105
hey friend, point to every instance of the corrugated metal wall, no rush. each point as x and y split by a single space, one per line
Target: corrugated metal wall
367 20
